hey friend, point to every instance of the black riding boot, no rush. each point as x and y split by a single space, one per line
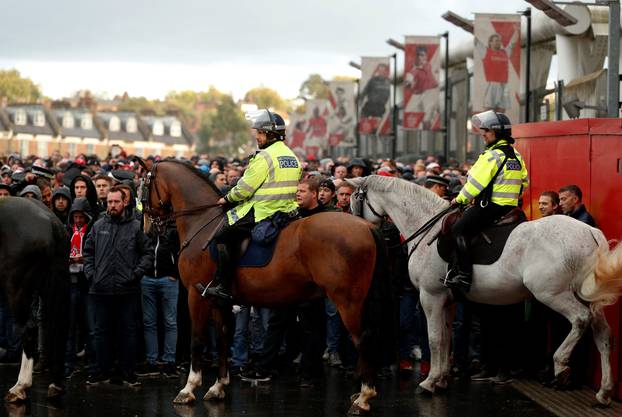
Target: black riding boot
460 275
222 289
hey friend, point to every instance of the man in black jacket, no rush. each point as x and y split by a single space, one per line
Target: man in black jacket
570 200
116 256
160 289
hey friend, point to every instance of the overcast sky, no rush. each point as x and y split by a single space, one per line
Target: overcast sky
150 47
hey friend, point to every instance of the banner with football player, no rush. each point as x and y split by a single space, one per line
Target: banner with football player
342 119
374 94
422 64
296 133
497 61
316 130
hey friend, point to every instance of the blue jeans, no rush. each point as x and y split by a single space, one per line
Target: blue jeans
116 325
333 327
259 324
160 292
408 328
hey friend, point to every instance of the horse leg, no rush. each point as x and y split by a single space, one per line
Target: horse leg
199 313
24 381
366 370
579 317
435 310
602 333
217 391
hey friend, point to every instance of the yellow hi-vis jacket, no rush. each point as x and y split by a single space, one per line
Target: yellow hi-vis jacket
509 184
268 185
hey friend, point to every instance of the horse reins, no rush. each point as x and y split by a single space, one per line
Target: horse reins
361 195
159 221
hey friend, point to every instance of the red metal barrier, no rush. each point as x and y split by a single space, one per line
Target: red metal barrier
588 153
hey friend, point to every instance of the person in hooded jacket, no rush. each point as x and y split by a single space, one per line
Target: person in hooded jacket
79 225
82 186
61 203
117 254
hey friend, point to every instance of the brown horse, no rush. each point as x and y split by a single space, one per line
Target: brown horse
333 254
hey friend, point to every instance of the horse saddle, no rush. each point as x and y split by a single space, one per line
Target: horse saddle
487 246
256 249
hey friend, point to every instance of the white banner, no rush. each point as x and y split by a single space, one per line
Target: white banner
342 119
497 64
316 130
374 94
422 64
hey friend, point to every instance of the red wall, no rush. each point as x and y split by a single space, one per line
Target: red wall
588 153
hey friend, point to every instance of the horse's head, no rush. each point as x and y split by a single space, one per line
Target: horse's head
155 198
363 203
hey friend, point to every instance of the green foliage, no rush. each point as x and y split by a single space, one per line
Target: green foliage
265 97
17 88
314 87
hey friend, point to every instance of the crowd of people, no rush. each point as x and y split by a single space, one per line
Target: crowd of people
124 283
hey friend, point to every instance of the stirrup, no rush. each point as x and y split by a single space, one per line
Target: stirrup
454 279
217 291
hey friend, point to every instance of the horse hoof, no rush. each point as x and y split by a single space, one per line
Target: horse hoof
356 410
604 399
184 398
14 398
423 391
563 378
214 396
55 391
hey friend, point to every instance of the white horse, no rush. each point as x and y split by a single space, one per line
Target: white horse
555 259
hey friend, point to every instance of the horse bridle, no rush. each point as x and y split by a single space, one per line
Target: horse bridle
361 196
159 221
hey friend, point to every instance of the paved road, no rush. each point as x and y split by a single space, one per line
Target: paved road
282 398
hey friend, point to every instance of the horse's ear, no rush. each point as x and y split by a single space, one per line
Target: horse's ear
355 182
147 165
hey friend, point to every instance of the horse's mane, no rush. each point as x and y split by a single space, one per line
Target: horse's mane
196 172
409 190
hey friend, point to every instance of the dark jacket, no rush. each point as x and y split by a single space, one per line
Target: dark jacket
116 256
306 213
165 250
57 193
582 215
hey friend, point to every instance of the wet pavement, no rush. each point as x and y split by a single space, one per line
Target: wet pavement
281 398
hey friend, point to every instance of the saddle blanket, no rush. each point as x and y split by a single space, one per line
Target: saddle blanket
256 256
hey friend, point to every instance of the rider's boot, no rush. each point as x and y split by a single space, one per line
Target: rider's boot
460 275
222 289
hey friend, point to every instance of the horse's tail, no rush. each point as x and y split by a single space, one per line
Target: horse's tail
55 298
378 318
601 285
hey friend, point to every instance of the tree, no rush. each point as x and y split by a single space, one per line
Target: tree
265 97
225 129
17 88
314 87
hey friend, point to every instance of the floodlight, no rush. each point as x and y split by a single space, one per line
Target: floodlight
395 44
459 21
554 12
355 65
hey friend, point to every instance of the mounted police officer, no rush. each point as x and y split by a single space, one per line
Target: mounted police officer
495 183
268 186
